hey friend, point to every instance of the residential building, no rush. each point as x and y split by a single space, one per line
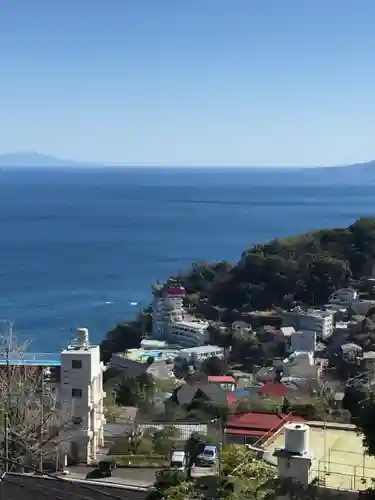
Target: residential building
344 296
367 361
351 351
171 322
302 365
187 332
255 427
303 340
322 322
75 376
82 387
241 327
186 394
201 353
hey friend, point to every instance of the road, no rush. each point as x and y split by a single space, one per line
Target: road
127 476
196 471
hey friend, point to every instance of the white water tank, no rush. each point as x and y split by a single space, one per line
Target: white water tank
83 336
297 438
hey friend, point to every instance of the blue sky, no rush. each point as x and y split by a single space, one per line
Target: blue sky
189 82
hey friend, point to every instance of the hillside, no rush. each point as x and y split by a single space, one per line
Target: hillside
305 268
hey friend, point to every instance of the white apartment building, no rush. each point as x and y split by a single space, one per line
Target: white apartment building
194 356
81 388
171 322
187 332
322 322
203 352
75 377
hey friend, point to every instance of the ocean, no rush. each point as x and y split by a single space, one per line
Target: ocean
78 247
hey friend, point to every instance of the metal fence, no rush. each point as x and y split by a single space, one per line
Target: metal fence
344 476
185 429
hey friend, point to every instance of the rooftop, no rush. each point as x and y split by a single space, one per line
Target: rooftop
257 423
221 379
142 355
339 459
192 323
202 349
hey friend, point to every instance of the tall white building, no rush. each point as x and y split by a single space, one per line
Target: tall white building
81 388
75 377
171 322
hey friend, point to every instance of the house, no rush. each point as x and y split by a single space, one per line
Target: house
350 351
287 331
226 382
252 427
187 394
367 360
344 296
303 340
241 327
361 307
301 365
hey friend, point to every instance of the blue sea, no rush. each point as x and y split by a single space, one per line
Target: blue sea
79 246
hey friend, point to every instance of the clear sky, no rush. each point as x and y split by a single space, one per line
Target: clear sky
189 82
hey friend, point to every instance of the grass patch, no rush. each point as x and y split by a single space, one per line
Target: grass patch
152 461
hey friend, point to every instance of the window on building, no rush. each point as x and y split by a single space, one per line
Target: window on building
77 420
76 364
76 393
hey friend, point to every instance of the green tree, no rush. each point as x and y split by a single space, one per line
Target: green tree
366 423
214 366
164 439
194 446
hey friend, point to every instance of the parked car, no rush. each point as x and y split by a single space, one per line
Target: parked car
179 460
209 455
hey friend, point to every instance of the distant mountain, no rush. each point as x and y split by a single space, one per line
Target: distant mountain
365 167
31 159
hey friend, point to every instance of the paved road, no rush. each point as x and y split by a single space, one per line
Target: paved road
202 471
132 477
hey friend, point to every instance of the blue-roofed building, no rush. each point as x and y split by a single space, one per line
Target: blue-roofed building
33 359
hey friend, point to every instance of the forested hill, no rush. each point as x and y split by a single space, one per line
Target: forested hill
305 268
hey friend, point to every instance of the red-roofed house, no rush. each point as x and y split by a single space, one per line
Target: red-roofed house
226 382
273 389
248 428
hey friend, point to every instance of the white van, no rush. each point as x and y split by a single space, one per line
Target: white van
179 460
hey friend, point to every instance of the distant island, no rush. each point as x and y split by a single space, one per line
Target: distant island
34 159
31 159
